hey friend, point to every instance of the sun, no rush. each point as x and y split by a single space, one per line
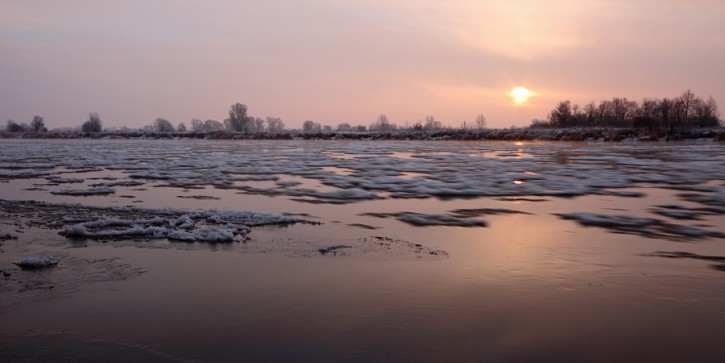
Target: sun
520 95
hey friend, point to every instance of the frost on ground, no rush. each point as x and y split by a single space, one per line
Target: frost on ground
645 227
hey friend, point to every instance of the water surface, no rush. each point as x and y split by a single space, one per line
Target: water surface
528 286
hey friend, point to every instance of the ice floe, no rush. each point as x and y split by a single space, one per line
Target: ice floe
425 220
380 169
120 223
102 190
199 226
37 262
646 227
678 212
61 180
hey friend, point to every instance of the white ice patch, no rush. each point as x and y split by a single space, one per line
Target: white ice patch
200 226
37 262
380 169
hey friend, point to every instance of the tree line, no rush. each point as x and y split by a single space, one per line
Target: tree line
684 111
239 121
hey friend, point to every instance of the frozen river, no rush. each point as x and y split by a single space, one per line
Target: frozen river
370 251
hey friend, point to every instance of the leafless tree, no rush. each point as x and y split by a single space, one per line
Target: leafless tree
432 124
623 109
212 126
561 114
163 125
344 127
480 122
197 125
275 126
93 124
181 127
256 125
310 126
238 120
37 125
706 113
382 124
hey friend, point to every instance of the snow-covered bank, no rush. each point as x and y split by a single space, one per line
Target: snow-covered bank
516 134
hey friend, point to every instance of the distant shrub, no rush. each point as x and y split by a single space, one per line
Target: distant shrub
93 124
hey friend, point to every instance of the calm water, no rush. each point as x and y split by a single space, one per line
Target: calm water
529 286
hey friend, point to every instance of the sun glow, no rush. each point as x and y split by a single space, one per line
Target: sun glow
520 95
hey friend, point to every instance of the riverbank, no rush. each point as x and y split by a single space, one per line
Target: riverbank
513 134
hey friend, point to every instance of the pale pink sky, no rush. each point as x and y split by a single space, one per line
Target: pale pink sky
335 61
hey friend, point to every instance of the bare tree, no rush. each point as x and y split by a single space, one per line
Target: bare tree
197 125
212 126
480 122
163 125
275 126
602 112
37 125
181 127
623 109
432 124
256 125
683 109
238 120
93 124
344 127
382 124
706 113
310 126
561 114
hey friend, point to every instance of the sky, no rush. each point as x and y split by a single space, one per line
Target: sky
334 61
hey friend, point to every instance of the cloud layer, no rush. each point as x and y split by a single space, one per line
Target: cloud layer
347 61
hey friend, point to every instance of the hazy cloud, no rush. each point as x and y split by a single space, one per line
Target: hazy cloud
347 61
